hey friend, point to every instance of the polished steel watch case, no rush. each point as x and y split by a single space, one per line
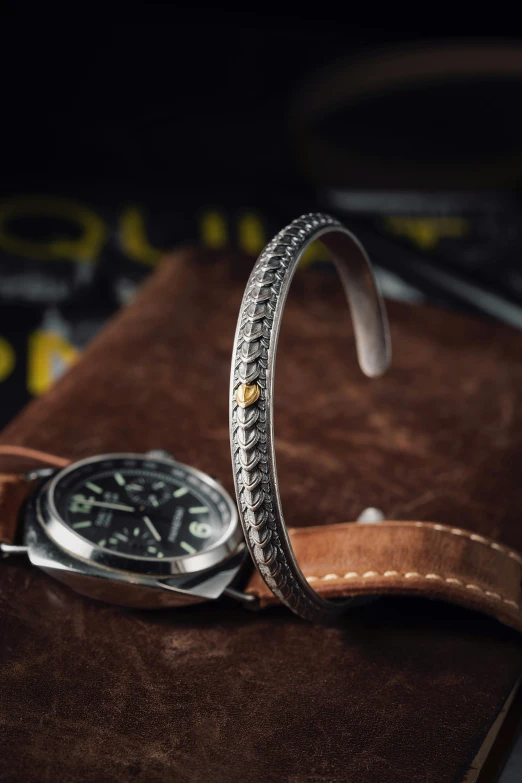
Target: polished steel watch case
125 580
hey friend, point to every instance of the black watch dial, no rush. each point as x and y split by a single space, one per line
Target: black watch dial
143 508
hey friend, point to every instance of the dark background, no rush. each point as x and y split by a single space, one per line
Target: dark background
121 140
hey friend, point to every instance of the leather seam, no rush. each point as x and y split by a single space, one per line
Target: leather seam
415 575
456 531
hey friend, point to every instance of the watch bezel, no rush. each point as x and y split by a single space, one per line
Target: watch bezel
70 541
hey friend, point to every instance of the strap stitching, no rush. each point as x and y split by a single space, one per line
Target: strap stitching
415 575
456 531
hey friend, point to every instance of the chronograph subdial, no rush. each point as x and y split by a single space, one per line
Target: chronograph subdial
149 492
134 539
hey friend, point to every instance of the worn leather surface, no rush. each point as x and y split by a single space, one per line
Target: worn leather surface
407 558
404 689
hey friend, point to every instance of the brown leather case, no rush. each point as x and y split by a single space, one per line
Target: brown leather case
404 689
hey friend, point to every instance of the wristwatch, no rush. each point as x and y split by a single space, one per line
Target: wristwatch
140 530
146 531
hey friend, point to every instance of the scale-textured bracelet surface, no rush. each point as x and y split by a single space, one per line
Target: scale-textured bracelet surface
252 389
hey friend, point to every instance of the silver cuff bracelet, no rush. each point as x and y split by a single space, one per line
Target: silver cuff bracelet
252 391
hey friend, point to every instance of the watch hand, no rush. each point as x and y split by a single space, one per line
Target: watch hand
116 506
152 528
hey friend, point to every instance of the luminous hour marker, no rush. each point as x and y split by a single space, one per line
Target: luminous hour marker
102 542
94 487
113 540
180 492
198 510
152 550
187 547
158 484
136 531
120 480
121 536
78 525
135 487
160 554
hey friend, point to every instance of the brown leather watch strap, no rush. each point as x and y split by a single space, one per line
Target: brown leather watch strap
408 558
14 489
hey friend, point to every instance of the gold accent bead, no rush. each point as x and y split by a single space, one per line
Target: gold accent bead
247 394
